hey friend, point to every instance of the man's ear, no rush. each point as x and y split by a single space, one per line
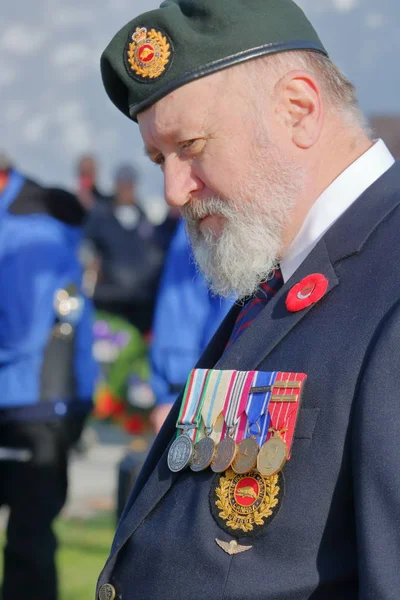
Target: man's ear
300 107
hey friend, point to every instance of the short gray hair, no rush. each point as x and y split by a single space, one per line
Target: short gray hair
337 90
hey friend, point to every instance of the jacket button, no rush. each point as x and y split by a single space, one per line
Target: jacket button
107 592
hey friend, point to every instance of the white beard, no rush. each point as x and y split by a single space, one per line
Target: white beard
250 245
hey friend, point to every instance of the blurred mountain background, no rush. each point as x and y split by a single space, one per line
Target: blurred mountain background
53 107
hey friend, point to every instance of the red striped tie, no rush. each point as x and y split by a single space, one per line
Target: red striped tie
255 305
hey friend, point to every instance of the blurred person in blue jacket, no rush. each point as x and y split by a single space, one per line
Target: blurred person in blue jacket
186 317
47 372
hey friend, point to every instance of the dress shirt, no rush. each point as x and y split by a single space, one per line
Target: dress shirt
334 201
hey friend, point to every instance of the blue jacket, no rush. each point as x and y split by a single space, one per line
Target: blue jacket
40 236
336 533
187 316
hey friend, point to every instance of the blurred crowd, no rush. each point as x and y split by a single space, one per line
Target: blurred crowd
102 316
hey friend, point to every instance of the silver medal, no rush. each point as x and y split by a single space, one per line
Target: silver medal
180 453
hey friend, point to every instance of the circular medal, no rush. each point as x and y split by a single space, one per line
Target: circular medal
246 457
272 456
203 454
180 453
224 455
243 505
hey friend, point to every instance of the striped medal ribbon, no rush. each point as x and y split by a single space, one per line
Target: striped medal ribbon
254 423
284 408
181 450
212 403
235 404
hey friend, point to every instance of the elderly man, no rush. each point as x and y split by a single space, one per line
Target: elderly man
292 207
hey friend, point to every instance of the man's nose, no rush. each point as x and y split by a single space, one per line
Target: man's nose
180 181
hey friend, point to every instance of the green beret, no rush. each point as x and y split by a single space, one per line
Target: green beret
183 40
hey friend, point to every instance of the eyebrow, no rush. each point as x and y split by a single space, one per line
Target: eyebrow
151 152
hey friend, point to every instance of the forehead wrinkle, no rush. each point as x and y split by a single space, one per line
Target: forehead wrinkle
189 107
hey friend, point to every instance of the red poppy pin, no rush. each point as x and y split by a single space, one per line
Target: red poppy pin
308 291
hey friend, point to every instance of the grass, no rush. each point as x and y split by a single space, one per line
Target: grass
84 545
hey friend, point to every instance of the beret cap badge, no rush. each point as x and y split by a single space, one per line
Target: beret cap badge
148 54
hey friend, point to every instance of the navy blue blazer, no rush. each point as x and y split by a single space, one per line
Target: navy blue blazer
337 534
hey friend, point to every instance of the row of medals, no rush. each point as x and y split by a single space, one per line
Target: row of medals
241 457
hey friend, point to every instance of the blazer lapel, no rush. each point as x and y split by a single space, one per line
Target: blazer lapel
275 321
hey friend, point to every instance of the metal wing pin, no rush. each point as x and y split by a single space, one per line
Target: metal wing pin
232 547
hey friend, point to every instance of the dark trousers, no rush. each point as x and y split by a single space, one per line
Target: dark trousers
35 492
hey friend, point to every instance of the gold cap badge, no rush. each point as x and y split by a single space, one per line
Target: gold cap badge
149 53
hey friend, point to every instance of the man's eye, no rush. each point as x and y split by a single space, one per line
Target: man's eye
191 147
187 144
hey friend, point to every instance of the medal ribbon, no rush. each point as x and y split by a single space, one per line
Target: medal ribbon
236 400
256 418
213 400
190 411
284 414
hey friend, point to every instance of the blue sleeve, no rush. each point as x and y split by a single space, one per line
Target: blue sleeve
86 368
186 317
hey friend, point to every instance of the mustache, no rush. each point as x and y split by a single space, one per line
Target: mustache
196 210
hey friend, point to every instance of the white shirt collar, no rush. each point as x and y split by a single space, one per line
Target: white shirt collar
334 201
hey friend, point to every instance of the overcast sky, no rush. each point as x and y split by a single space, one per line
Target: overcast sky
53 106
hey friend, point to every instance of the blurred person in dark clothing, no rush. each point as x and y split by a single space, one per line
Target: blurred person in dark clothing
87 190
128 254
47 372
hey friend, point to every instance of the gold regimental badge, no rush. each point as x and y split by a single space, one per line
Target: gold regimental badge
148 53
244 504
